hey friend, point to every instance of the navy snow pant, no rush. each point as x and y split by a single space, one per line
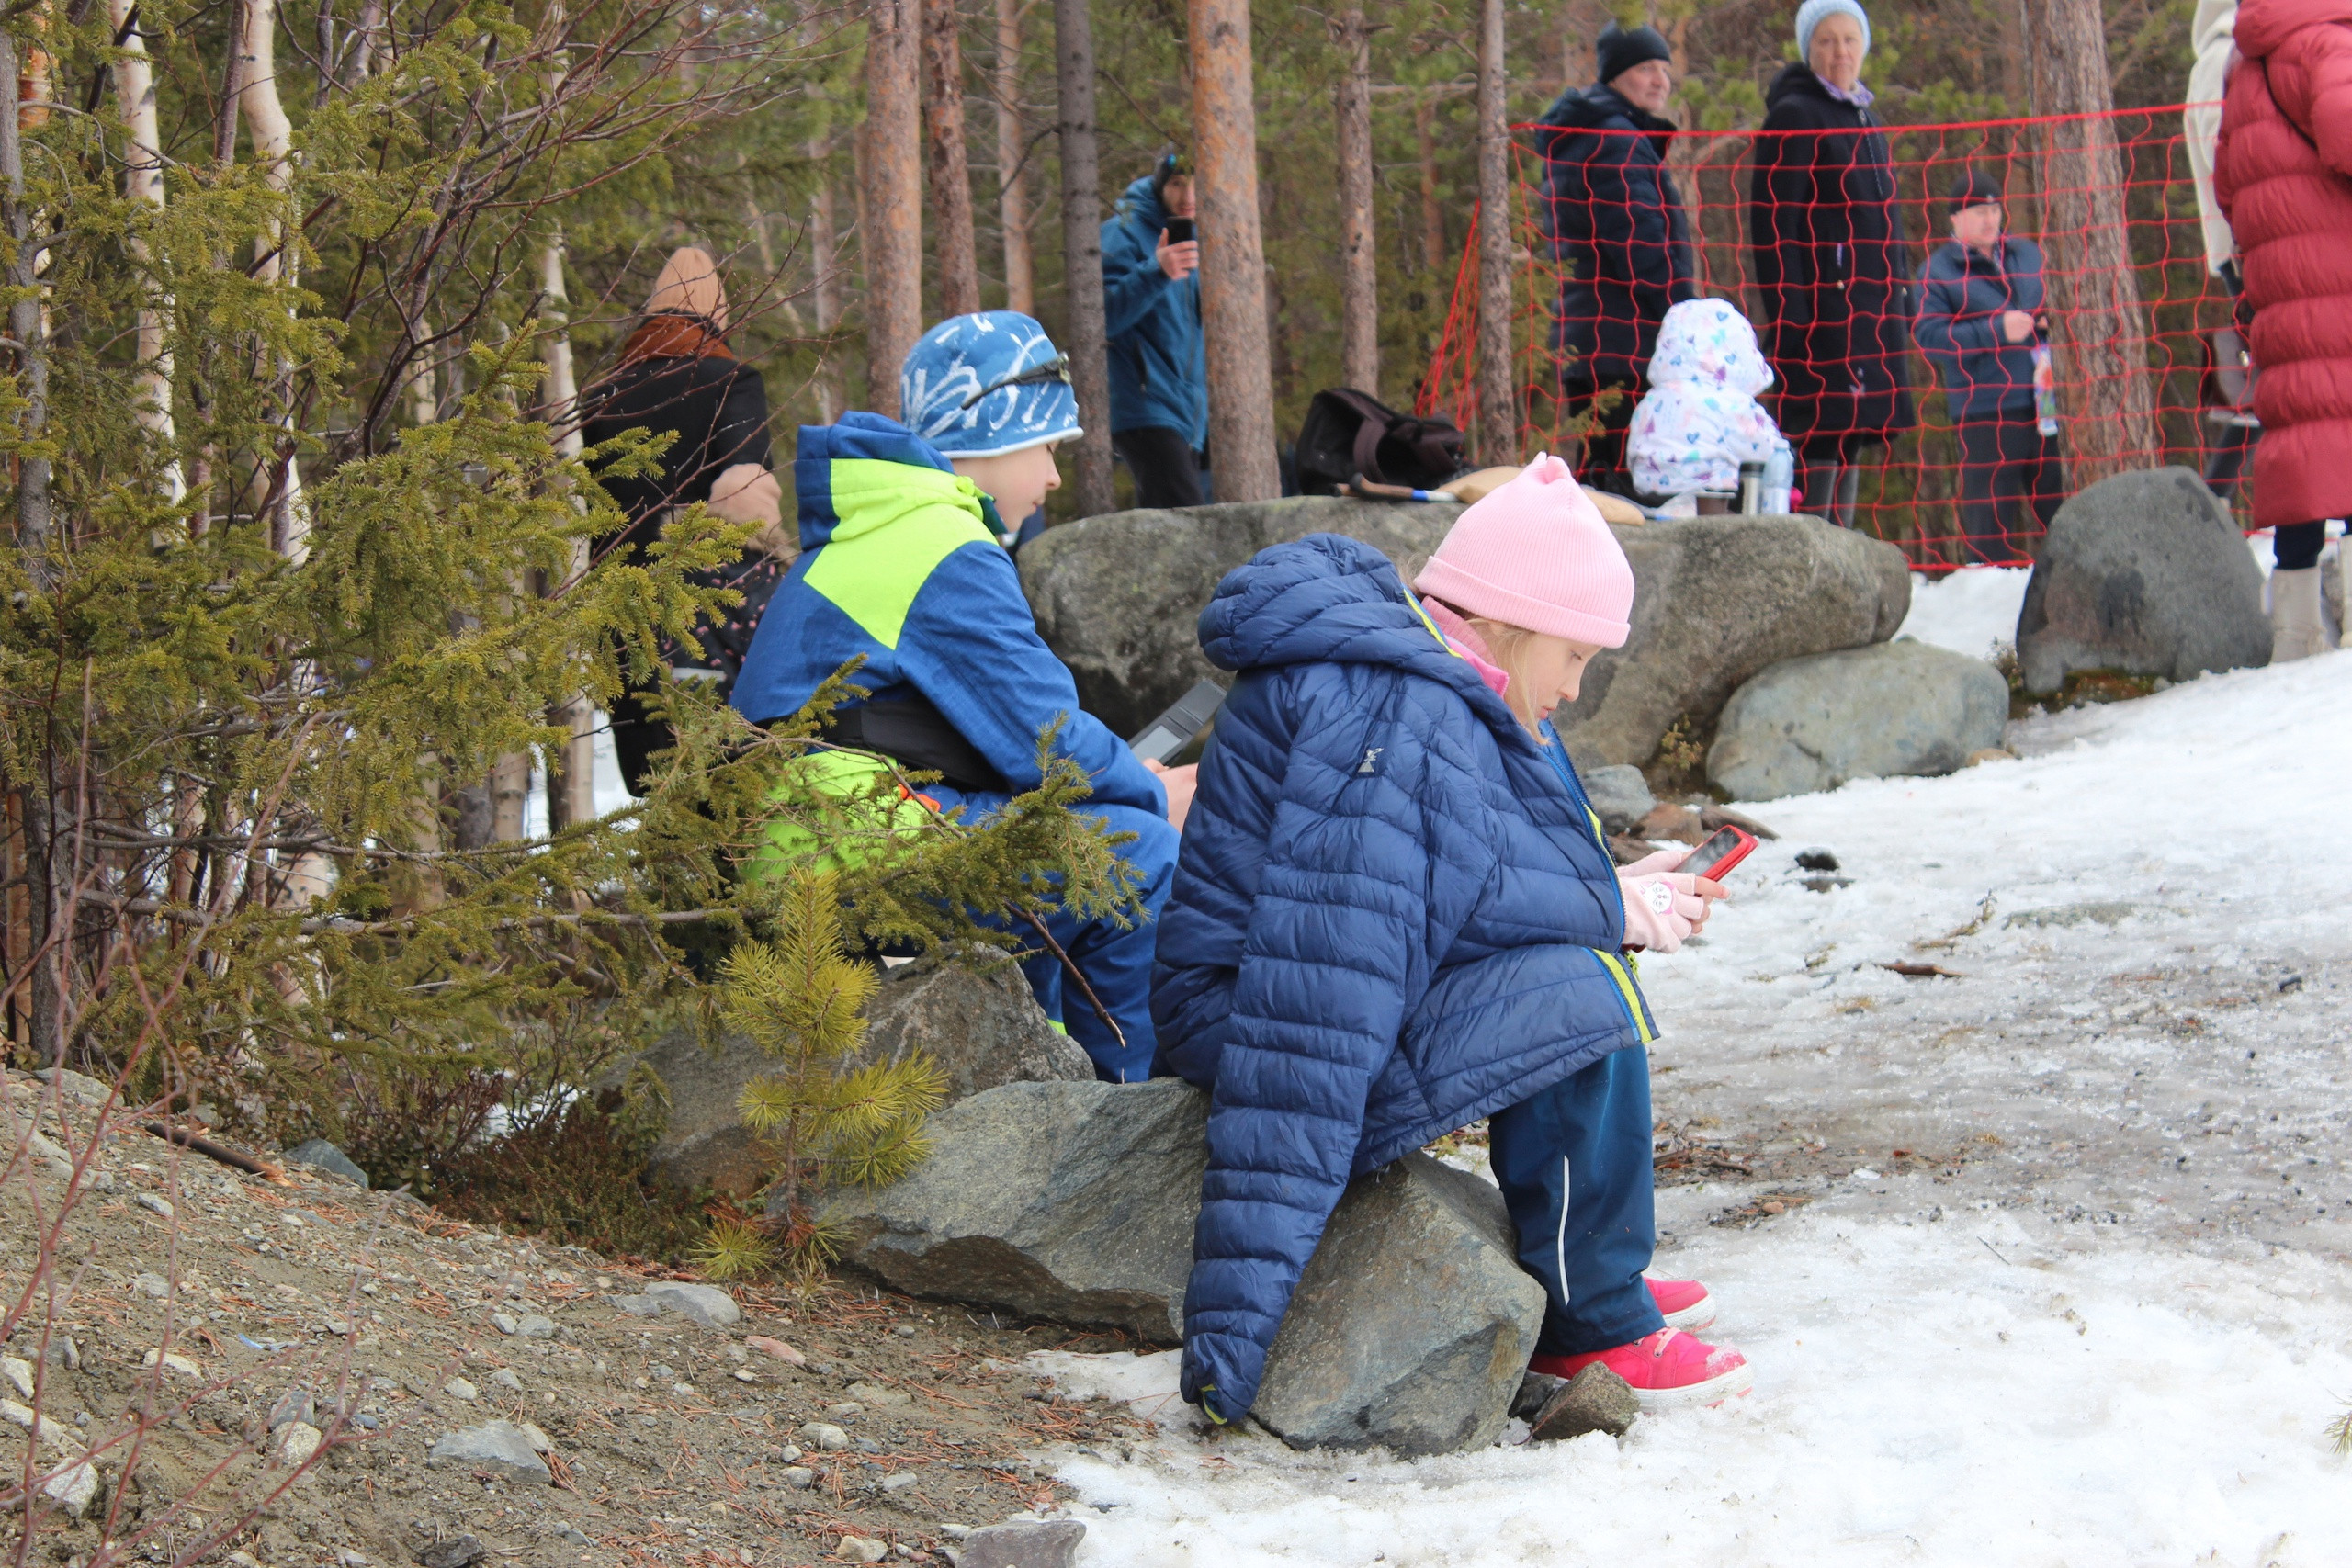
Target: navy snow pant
1574 1165
1116 960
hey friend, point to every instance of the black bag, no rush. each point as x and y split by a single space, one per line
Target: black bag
1348 433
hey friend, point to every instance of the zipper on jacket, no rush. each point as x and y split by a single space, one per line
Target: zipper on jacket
1636 1013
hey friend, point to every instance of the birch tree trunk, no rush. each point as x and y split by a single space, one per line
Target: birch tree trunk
272 135
1358 262
2098 325
1082 252
142 182
892 192
1011 147
950 172
1498 422
1233 256
571 784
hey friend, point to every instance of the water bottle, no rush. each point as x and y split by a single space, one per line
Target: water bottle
2045 390
1779 480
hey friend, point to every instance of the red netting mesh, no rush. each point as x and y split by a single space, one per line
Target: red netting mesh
2129 306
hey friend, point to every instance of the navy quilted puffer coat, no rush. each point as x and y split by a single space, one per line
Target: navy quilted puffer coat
1393 914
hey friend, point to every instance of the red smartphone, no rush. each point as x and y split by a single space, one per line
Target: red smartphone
1725 849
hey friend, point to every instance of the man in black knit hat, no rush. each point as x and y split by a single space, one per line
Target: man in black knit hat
1615 225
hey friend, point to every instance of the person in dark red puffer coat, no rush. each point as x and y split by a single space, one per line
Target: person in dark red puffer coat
2284 177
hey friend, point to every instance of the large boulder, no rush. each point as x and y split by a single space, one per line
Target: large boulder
982 1026
1075 1202
1899 708
1716 599
2143 573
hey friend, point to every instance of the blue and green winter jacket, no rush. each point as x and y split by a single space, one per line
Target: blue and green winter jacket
1160 366
1393 913
900 564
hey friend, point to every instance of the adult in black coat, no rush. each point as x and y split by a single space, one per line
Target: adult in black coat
1615 223
1828 258
677 375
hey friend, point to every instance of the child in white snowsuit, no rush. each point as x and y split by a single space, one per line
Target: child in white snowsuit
1700 420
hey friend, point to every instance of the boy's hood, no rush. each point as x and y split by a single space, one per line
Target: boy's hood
1142 203
1329 599
2263 26
866 472
1708 344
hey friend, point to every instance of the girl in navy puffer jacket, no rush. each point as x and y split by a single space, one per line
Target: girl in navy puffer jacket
1394 913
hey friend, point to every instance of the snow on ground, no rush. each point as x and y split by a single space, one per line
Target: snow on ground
1971 611
2100 1309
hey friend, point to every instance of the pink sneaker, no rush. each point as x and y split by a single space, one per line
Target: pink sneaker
1667 1371
1687 1304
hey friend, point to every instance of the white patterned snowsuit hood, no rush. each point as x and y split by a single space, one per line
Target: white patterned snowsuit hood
1699 421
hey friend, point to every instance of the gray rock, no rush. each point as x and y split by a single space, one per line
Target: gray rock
74 1490
499 1448
294 1404
461 1551
320 1155
982 1026
636 1306
1026 1543
799 1477
75 1085
1620 793
535 1325
1075 1202
2143 573
1534 1389
295 1444
1595 1400
824 1436
1899 709
704 1305
1072 1202
1716 599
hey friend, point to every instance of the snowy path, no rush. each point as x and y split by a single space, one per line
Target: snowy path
2100 1310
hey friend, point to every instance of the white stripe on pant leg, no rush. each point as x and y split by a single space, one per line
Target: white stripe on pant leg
1560 1237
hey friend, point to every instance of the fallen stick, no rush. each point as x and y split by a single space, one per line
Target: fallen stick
208 1148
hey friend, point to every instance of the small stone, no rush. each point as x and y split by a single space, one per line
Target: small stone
243 1559
320 1155
458 1388
845 1410
874 1393
296 1442
499 1447
461 1551
1040 1543
865 1445
636 1306
294 1404
1619 794
745 1374
824 1436
155 1205
704 1305
504 1324
72 1489
861 1548
1816 860
540 1442
20 1375
777 1349
535 1325
1988 754
1595 1400
800 1478
149 1284
1515 1433
350 1559
905 1331
571 1534
790 1453
901 1482
41 1426
173 1360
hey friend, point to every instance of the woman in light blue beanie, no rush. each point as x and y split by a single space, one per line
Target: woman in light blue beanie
1826 252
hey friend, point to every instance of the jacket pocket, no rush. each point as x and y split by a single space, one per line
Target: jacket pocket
1628 994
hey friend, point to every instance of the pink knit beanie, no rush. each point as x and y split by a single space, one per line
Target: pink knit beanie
1534 553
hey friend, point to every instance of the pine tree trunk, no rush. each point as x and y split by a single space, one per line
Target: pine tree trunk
1011 147
1233 256
2098 325
893 199
1082 252
951 173
1433 246
825 285
1358 254
1498 423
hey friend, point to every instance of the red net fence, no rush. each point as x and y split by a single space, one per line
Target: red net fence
1913 399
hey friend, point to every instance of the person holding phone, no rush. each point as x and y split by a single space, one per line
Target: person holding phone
1394 913
1151 315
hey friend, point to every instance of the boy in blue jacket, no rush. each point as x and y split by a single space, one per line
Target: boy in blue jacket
1980 310
1395 914
900 564
1158 358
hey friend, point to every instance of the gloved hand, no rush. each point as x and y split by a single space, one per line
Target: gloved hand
1662 907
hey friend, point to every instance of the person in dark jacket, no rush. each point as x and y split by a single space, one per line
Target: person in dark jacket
1615 223
1151 314
1980 310
1395 913
1827 256
677 376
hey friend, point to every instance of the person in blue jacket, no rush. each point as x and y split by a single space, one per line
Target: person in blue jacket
1151 314
1980 324
1394 913
901 566
1614 222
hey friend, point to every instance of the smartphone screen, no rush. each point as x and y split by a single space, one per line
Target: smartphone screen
1713 853
1180 229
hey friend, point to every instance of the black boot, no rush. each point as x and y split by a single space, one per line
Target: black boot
1821 484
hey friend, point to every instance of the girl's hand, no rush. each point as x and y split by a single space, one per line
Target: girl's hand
1180 783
